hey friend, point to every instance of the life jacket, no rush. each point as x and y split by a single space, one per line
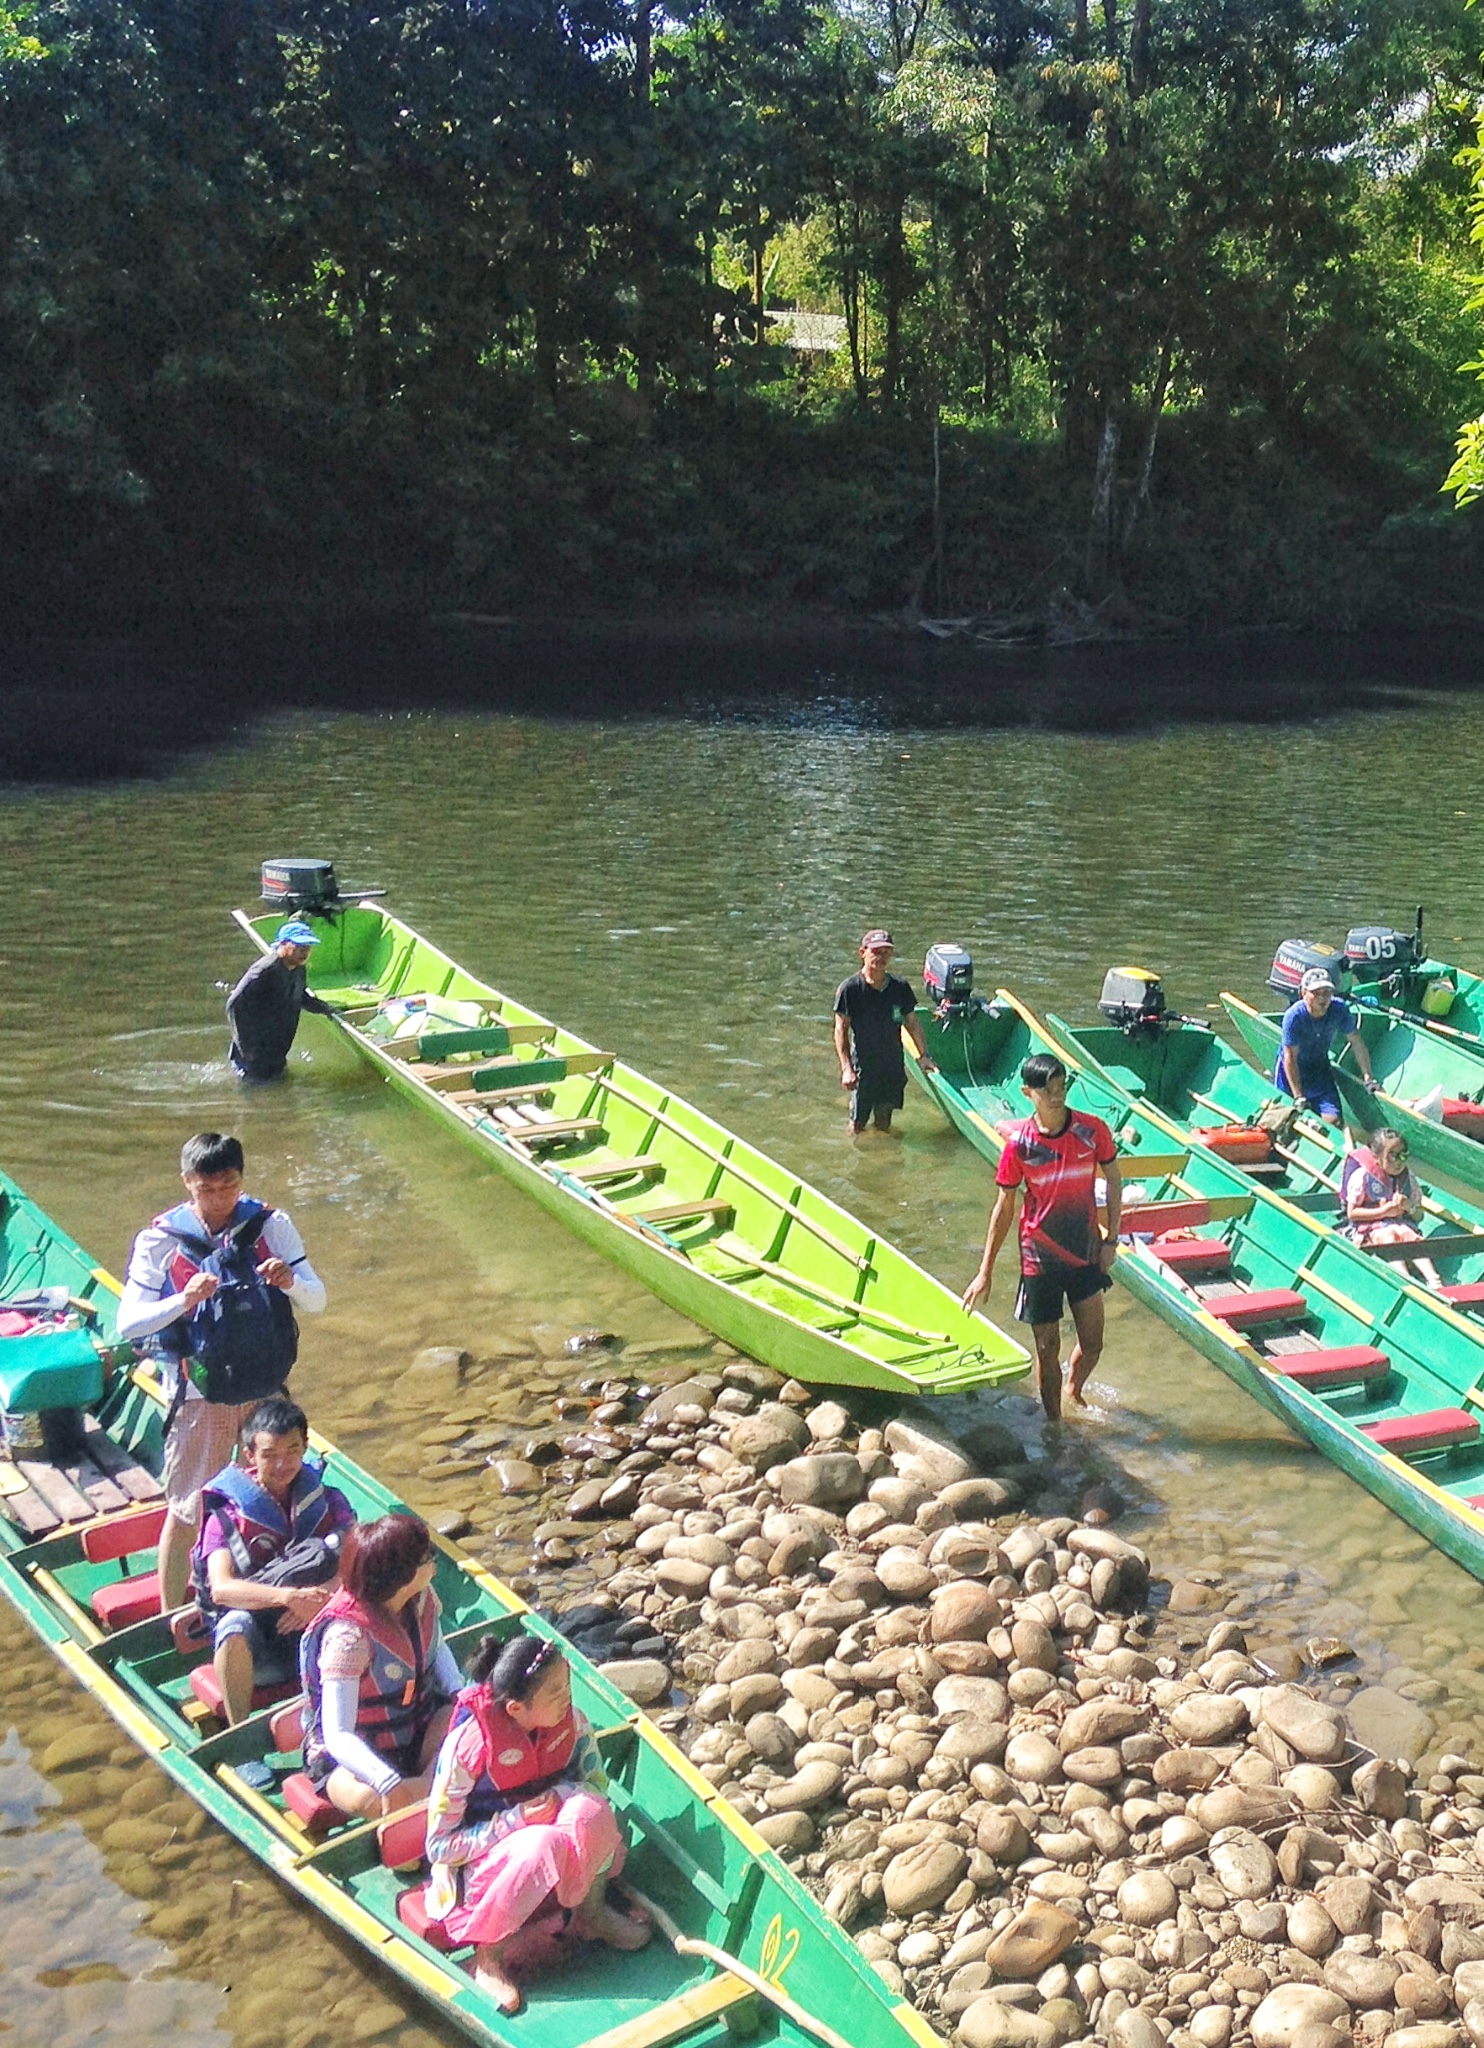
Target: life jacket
1378 1185
516 1763
398 1695
240 1345
257 1528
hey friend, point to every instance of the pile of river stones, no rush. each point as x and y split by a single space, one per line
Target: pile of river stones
965 1732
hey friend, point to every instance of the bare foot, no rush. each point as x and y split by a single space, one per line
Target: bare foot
491 1978
614 1929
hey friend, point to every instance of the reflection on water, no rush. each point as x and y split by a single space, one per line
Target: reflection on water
687 894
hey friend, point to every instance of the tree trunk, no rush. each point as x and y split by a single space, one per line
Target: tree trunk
1151 436
1139 50
758 293
1100 524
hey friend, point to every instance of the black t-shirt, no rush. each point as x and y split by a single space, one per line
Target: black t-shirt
876 1016
263 1011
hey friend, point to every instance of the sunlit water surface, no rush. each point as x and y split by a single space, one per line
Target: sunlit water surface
687 894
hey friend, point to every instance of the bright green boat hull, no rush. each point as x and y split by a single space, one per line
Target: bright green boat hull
1351 1298
785 1275
689 1851
1464 1017
1409 1062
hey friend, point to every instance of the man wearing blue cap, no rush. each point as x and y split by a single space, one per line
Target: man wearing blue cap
263 1010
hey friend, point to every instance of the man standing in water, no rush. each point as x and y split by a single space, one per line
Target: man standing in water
1056 1156
872 1010
263 1010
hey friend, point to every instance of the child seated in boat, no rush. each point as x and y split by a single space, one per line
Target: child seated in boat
266 1559
379 1680
517 1813
1382 1198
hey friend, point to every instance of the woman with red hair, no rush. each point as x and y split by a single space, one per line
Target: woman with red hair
379 1680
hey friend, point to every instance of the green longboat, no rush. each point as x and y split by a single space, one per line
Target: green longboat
745 1951
1419 993
1411 1064
1374 1372
1185 1071
712 1226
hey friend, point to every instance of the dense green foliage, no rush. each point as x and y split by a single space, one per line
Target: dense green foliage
463 301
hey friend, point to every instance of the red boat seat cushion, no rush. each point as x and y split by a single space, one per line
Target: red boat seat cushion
207 1688
1464 1294
1240 1143
412 1911
1467 1118
1188 1214
302 1796
1259 1305
402 1837
122 1535
1192 1254
1346 1365
125 1601
1410 1435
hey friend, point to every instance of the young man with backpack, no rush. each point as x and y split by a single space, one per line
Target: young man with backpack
214 1283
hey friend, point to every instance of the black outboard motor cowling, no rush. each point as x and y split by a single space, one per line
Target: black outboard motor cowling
1372 951
948 974
1293 960
1133 998
294 886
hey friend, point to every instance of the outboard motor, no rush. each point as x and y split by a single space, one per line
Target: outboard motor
293 886
1374 951
948 976
1293 960
1133 999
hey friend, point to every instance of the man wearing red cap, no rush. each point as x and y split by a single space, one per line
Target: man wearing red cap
872 1010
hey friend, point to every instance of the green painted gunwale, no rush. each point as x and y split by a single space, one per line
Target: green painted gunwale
845 1309
1437 1355
1191 1075
1409 1063
689 1850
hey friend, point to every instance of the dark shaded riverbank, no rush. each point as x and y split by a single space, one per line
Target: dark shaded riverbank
130 703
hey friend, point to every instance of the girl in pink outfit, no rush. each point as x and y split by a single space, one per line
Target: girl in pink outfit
517 1813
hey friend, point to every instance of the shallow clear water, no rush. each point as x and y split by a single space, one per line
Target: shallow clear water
687 894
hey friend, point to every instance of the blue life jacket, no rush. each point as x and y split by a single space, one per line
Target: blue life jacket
258 1530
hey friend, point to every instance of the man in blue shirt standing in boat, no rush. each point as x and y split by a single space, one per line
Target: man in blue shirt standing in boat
1310 1028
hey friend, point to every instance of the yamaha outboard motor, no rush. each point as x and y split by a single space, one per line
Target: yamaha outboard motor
294 886
1293 960
948 976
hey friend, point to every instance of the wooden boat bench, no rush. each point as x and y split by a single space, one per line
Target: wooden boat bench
645 1167
1329 1368
1193 1256
713 1208
560 1131
1463 1294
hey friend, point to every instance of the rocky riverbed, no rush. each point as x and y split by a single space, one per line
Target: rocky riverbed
1048 1803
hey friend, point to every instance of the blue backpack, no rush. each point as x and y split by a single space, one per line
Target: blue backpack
241 1344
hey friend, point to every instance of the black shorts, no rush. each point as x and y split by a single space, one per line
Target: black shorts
876 1091
1042 1295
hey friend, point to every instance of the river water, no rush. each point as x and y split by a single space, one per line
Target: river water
686 891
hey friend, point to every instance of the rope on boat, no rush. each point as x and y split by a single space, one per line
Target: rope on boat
686 1945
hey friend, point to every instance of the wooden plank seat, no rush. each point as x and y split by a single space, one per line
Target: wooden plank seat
1204 1255
645 1167
1414 1436
560 1131
714 1207
1249 1310
1343 1365
683 2014
1453 1244
536 1091
1464 1294
1158 1217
